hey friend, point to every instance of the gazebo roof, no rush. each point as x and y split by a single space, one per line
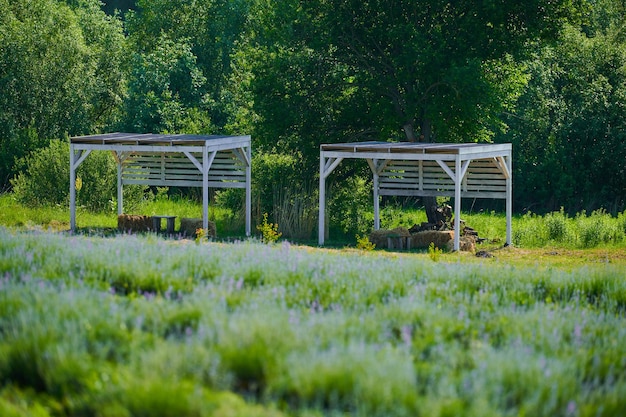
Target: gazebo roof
156 139
415 147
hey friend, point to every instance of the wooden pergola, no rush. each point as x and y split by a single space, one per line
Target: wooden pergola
467 170
169 161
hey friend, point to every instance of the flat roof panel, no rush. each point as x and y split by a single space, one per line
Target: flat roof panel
415 147
152 139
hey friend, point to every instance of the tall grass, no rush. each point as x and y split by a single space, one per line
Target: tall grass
582 231
139 325
297 220
13 214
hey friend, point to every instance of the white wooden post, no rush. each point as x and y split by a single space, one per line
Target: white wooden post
76 158
249 191
457 202
322 199
509 199
376 196
72 189
326 167
205 188
120 193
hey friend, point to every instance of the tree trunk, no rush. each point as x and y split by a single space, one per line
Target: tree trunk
430 203
409 132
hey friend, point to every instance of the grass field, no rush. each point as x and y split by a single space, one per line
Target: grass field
140 325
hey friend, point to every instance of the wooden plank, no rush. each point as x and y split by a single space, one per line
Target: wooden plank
167 183
439 193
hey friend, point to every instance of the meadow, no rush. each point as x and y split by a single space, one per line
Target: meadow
115 325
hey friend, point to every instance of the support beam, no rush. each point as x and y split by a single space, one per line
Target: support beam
207 161
502 166
326 167
248 155
72 189
76 158
120 157
376 200
120 191
447 169
457 203
331 165
377 167
322 200
509 199
193 160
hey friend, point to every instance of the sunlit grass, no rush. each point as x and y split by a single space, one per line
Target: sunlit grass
15 215
554 230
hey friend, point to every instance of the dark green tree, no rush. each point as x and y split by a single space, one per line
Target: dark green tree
60 74
569 130
166 91
207 33
335 70
118 6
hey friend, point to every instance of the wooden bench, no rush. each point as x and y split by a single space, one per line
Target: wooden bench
156 223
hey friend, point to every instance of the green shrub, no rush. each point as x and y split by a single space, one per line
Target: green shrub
530 231
434 253
597 228
350 207
621 227
556 224
278 191
269 231
45 180
364 243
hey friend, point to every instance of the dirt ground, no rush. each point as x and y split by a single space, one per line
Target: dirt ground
559 257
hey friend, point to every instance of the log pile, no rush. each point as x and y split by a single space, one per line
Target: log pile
442 220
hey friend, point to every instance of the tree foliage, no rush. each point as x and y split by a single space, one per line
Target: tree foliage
436 68
166 91
569 132
295 74
60 73
205 33
336 70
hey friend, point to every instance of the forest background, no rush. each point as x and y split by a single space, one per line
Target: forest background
547 76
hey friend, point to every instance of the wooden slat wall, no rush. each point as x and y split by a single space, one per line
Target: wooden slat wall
483 179
483 175
175 169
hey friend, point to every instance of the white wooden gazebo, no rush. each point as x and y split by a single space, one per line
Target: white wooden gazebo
468 170
169 161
